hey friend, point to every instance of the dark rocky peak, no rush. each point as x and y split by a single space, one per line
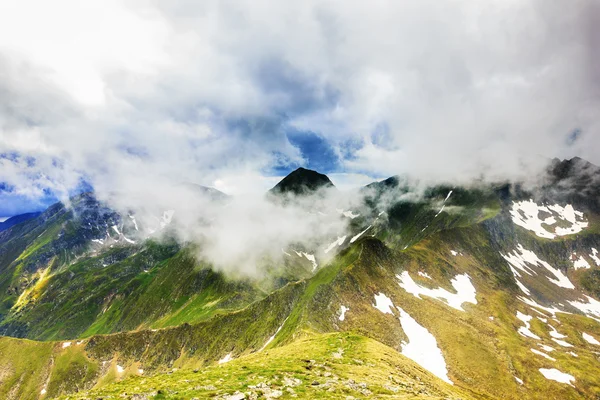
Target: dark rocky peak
302 182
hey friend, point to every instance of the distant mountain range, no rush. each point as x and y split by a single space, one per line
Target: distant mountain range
485 291
17 219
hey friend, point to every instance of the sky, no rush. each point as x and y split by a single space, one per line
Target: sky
129 97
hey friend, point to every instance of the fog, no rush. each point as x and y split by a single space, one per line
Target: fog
137 97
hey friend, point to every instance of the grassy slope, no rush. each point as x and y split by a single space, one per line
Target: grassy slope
483 355
152 287
328 366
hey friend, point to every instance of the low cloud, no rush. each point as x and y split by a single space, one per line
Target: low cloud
136 97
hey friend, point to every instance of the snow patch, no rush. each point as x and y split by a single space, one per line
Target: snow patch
448 196
134 222
343 310
521 257
555 375
523 287
551 310
590 339
116 229
383 304
465 291
563 343
349 214
546 348
422 347
128 240
226 359
66 344
312 259
340 241
424 275
454 253
555 334
99 241
539 353
594 256
120 369
526 214
581 263
591 308
439 212
140 371
519 381
526 330
270 339
359 235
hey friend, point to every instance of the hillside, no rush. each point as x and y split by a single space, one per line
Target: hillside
488 291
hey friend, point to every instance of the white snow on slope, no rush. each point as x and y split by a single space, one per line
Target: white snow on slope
563 343
521 257
591 308
556 334
359 235
555 375
340 241
581 263
120 369
343 310
134 222
128 240
271 338
66 344
519 381
226 359
448 196
439 212
523 287
465 291
539 353
590 339
116 229
312 259
383 304
526 215
99 241
424 275
526 330
350 215
551 310
594 256
546 348
454 253
422 347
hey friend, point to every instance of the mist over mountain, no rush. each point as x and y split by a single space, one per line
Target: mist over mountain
244 200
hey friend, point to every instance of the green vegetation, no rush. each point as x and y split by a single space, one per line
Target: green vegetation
328 366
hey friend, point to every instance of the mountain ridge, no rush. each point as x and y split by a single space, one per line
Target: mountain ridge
461 284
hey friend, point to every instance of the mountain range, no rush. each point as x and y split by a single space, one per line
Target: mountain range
481 291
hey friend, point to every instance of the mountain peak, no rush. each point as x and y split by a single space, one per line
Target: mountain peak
302 181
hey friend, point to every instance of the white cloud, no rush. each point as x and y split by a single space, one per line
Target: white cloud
136 96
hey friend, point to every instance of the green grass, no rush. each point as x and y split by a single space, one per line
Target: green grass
328 366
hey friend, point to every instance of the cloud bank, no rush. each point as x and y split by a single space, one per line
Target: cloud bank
133 97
